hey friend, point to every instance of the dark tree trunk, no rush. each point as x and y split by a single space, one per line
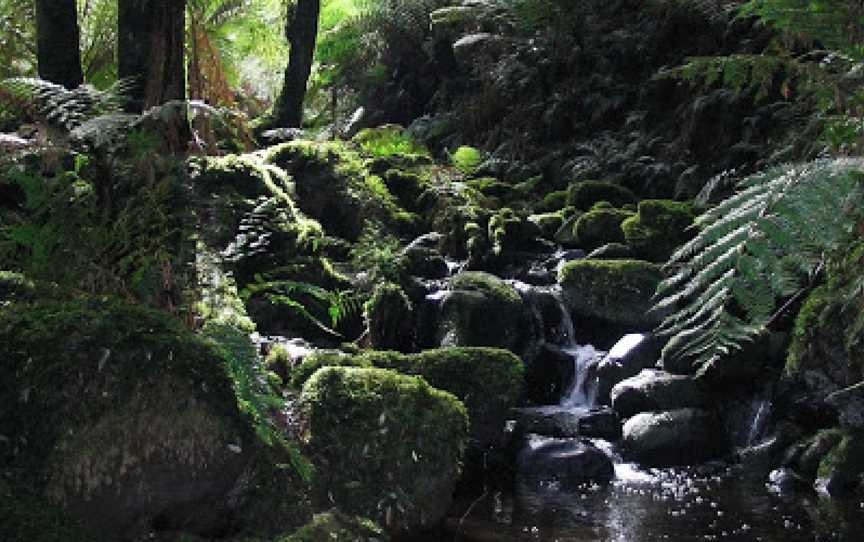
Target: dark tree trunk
150 50
57 41
301 31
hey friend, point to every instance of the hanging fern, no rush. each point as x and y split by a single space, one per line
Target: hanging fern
755 248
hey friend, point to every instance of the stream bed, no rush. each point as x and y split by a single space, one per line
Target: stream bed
708 502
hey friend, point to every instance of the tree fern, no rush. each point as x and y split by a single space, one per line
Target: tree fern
755 248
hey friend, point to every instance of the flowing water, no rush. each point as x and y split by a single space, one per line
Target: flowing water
720 501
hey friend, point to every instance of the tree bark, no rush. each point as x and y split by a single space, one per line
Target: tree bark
301 32
58 42
150 50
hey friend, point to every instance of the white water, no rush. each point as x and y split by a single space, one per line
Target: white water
583 391
762 411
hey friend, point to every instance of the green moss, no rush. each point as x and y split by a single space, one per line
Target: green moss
810 320
600 226
406 186
658 229
846 458
584 194
388 140
388 445
335 526
389 318
486 283
491 187
548 223
553 201
488 380
613 290
335 186
466 159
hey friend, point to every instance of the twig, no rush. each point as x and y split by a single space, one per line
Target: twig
469 510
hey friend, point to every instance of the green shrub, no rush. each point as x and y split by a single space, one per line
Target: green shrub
466 159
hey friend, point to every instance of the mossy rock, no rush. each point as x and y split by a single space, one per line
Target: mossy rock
553 201
488 380
840 469
336 526
492 187
386 446
509 232
390 319
334 186
241 192
406 186
658 229
548 223
481 310
121 415
600 226
584 194
617 291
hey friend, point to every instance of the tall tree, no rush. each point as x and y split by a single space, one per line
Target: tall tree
150 41
301 31
57 42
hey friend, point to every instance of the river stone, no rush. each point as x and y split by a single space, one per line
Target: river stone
572 461
675 437
653 389
632 353
481 310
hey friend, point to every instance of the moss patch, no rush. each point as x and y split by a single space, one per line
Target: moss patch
335 526
658 229
584 194
600 226
387 446
617 291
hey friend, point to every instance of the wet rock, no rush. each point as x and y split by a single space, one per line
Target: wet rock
675 437
611 251
547 375
600 423
570 461
424 262
615 291
787 481
567 422
653 390
632 353
480 309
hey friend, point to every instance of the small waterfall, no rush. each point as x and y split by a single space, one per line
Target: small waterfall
761 413
583 391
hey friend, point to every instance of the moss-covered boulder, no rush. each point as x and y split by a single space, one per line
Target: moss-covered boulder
509 232
616 291
479 309
336 526
386 446
489 381
584 194
659 227
389 319
128 421
334 186
674 437
600 226
841 467
548 223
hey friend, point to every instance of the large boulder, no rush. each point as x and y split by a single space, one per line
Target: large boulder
600 226
386 446
616 291
659 227
487 380
632 353
480 309
129 422
570 461
653 389
675 437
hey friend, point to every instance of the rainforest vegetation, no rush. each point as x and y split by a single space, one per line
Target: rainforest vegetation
427 270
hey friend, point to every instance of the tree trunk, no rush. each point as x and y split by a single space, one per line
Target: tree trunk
58 42
301 32
150 50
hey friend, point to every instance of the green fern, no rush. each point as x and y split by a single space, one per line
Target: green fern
757 247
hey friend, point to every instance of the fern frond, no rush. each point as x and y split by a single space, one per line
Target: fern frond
59 106
755 248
